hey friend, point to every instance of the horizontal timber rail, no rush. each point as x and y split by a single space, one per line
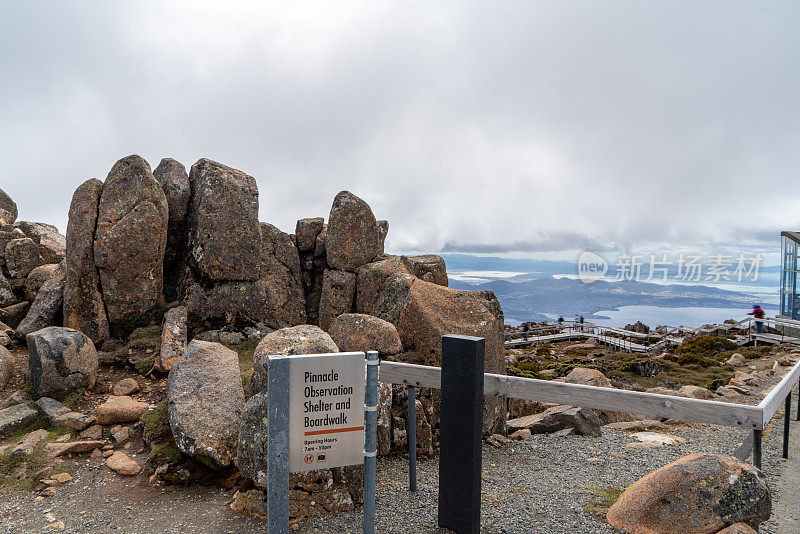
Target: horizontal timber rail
617 400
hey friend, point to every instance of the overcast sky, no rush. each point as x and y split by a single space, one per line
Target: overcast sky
522 127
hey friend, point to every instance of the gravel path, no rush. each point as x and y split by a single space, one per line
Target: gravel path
544 485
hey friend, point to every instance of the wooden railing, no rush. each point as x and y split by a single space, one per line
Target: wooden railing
754 418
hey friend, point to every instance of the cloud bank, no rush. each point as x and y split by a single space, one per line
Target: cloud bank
521 126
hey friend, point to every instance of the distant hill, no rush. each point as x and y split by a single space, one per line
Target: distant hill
531 298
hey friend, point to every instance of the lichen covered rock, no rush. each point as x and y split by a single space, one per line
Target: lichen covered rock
60 361
83 301
206 402
701 493
353 237
129 242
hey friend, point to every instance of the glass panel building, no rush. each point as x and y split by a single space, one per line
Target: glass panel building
790 267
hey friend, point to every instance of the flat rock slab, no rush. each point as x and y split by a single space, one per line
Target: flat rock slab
26 446
16 417
74 447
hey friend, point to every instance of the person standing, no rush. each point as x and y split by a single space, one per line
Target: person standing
758 315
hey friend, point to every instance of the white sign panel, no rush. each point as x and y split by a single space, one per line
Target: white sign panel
326 410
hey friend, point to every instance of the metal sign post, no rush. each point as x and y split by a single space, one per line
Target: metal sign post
317 419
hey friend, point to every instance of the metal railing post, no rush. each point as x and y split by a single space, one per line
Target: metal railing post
412 439
371 441
787 415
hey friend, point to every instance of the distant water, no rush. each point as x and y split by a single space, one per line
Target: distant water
654 316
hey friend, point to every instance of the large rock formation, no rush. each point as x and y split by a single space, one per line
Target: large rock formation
60 361
84 309
698 493
353 237
171 176
223 223
129 242
8 209
281 279
223 254
206 401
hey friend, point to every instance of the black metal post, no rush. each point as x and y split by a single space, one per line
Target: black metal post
787 415
460 433
757 437
412 439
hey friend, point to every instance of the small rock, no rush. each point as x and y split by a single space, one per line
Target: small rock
61 478
94 432
521 435
738 528
126 386
562 433
123 464
108 453
657 439
736 360
48 492
51 408
74 420
120 434
120 409
645 424
16 417
97 453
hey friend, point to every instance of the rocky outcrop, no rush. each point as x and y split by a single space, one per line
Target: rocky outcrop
223 223
338 296
174 182
52 245
698 493
381 279
46 309
223 257
353 237
84 309
173 338
281 279
428 267
129 242
60 361
303 339
356 332
8 209
22 256
206 403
